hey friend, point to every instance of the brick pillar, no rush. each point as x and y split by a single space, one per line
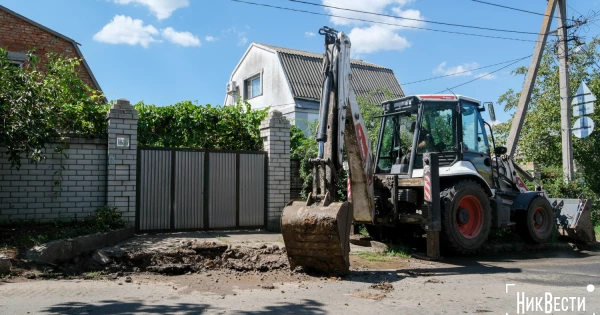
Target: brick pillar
275 132
122 121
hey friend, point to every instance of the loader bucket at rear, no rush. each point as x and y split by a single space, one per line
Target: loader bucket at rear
575 221
317 238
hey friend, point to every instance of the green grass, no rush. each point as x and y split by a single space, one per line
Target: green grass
93 276
597 229
400 251
362 230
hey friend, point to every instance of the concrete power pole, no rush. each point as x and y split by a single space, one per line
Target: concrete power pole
519 116
565 92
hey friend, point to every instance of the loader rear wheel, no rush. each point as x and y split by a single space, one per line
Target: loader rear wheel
536 225
466 217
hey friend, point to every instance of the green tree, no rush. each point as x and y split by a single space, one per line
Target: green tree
38 106
540 139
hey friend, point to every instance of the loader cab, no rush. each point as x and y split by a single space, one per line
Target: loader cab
449 125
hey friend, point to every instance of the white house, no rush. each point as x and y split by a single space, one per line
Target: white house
289 80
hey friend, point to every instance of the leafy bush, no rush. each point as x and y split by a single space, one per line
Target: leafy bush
188 125
106 218
554 185
40 105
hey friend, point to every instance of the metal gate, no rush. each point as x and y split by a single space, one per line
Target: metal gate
185 189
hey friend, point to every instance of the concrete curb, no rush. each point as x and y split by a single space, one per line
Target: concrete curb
65 249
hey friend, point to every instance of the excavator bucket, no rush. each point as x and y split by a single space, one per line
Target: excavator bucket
317 238
575 221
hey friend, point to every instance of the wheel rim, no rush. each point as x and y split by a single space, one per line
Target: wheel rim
469 219
542 221
538 219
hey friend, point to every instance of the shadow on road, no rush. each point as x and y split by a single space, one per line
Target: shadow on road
375 276
122 307
305 307
500 263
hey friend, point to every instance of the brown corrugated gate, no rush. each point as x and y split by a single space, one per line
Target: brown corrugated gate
186 189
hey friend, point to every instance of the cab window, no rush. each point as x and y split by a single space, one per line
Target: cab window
473 132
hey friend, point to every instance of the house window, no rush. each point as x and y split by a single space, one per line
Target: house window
252 87
17 59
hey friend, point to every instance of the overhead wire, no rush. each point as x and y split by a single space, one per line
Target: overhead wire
413 19
516 9
466 71
589 19
383 23
483 76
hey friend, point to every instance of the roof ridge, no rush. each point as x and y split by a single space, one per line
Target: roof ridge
293 51
34 23
57 34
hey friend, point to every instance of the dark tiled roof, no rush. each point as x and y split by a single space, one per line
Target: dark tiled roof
303 70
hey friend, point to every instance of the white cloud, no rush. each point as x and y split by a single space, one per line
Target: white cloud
209 38
161 8
125 30
185 39
376 6
309 34
487 76
495 122
375 38
460 70
369 37
242 40
241 35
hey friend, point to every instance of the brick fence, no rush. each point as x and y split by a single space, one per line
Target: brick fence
87 174
67 184
91 173
275 131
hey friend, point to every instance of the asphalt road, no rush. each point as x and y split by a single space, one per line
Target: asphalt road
475 285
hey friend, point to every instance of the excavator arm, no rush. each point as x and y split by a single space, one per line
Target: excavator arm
316 232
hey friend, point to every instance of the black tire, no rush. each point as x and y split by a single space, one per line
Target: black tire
465 233
537 223
374 232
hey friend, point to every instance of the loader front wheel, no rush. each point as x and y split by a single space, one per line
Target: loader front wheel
466 217
536 225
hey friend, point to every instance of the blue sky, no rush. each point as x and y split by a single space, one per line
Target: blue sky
164 51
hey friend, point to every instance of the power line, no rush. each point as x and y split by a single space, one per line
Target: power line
589 19
516 9
413 19
458 73
485 75
384 23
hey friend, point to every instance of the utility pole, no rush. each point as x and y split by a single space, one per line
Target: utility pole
565 93
519 116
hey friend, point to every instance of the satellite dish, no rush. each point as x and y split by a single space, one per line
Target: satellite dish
584 126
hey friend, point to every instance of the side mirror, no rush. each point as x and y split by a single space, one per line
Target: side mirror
413 126
491 110
500 150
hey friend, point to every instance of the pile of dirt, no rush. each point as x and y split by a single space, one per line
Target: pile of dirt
198 257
